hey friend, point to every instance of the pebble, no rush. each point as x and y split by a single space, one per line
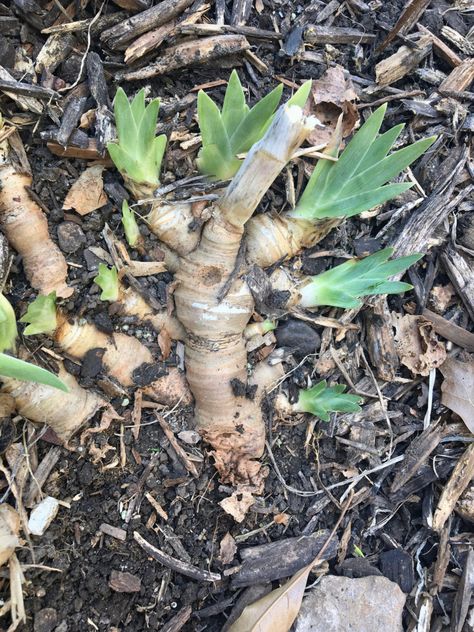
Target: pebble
45 620
298 337
70 237
341 604
43 515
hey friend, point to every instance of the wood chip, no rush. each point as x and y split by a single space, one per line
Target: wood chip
320 35
156 506
402 62
124 582
460 478
190 53
460 78
410 14
451 331
183 457
114 532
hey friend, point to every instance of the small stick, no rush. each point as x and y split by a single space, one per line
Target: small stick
176 565
188 464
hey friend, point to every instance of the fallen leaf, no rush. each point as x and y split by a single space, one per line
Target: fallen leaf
417 344
458 389
441 297
281 518
227 549
170 389
237 505
164 342
332 95
276 611
87 192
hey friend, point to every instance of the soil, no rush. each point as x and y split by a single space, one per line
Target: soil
75 558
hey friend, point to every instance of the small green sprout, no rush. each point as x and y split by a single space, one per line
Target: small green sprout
320 400
41 314
234 129
107 280
358 552
358 180
138 152
8 329
130 226
346 284
13 367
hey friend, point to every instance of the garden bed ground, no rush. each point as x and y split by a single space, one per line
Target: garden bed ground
388 527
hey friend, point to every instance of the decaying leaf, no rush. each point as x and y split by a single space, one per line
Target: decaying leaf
237 505
227 549
9 530
417 344
87 192
458 389
276 611
170 389
164 342
332 95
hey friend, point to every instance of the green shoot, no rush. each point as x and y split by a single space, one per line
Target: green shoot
27 372
130 226
358 180
41 315
13 367
234 129
107 280
346 284
138 152
8 329
320 400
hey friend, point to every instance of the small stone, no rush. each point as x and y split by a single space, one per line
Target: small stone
43 515
70 237
341 604
124 582
298 337
45 620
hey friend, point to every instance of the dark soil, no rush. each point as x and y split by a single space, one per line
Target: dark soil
97 489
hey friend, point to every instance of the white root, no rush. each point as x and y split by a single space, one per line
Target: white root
123 354
65 413
172 223
133 304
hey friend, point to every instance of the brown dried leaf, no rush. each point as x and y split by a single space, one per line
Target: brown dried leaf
227 549
441 297
277 610
281 518
332 95
164 342
237 505
87 192
417 344
458 389
170 389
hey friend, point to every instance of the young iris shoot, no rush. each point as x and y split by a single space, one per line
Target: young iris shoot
107 280
234 129
138 153
13 367
357 182
346 284
41 314
320 400
130 226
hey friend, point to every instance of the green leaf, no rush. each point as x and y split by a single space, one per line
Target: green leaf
27 372
234 108
41 314
347 207
344 285
127 129
8 330
138 105
251 129
320 400
388 168
130 226
211 125
137 154
211 162
301 95
107 280
353 184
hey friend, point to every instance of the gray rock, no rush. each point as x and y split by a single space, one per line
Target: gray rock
45 620
70 237
341 604
298 337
